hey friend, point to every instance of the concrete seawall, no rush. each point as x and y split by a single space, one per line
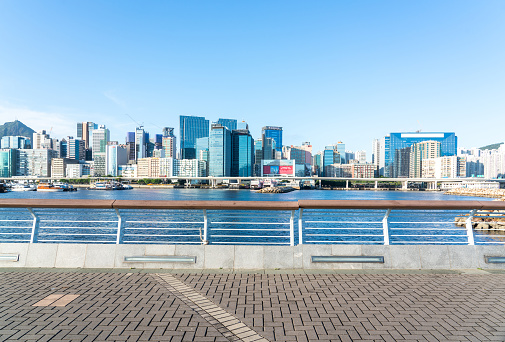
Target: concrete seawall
249 257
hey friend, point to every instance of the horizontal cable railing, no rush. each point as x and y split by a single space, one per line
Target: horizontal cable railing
252 222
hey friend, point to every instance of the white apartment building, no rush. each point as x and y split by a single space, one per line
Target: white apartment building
189 168
444 167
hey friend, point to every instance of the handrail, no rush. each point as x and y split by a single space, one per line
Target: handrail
252 205
401 205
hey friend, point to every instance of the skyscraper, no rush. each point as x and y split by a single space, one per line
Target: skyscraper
192 128
220 151
140 143
85 131
99 145
231 124
168 142
275 133
242 153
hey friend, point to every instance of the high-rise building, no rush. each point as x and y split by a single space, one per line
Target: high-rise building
340 148
274 133
15 142
395 142
85 131
330 156
168 143
242 153
269 148
76 149
220 151
115 155
42 140
360 156
189 168
99 146
140 143
444 167
378 155
35 162
420 152
59 167
7 163
192 128
231 124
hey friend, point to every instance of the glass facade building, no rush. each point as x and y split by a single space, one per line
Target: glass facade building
242 153
231 124
192 128
274 133
397 147
220 147
15 142
7 163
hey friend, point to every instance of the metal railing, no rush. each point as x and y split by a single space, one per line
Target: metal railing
251 222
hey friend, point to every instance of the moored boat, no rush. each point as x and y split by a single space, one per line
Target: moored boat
49 187
23 187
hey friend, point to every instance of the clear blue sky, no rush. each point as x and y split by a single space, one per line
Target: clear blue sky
325 71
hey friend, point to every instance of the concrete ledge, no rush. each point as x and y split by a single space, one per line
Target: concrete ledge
238 258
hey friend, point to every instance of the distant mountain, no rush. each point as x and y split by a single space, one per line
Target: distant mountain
491 147
16 128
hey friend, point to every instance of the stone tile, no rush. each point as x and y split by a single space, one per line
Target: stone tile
249 257
278 257
100 256
71 255
434 256
219 257
405 256
463 257
41 255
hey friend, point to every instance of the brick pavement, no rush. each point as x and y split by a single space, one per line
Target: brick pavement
278 307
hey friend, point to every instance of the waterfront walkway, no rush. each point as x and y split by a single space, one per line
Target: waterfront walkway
140 305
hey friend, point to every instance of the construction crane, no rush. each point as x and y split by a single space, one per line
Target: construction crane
132 119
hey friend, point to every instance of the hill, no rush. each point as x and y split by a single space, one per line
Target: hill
491 147
16 128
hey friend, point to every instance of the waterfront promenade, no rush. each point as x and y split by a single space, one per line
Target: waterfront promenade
157 305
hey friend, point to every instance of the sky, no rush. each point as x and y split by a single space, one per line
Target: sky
325 71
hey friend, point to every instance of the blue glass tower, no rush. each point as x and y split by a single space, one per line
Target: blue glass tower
275 133
192 128
220 151
231 124
242 153
397 146
7 162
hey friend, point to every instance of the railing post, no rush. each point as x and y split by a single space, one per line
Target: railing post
120 230
35 227
385 227
300 228
292 228
205 228
469 228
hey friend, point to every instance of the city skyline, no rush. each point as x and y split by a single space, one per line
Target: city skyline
327 72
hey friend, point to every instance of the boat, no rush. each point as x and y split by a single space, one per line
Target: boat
65 186
23 187
49 187
3 188
101 186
